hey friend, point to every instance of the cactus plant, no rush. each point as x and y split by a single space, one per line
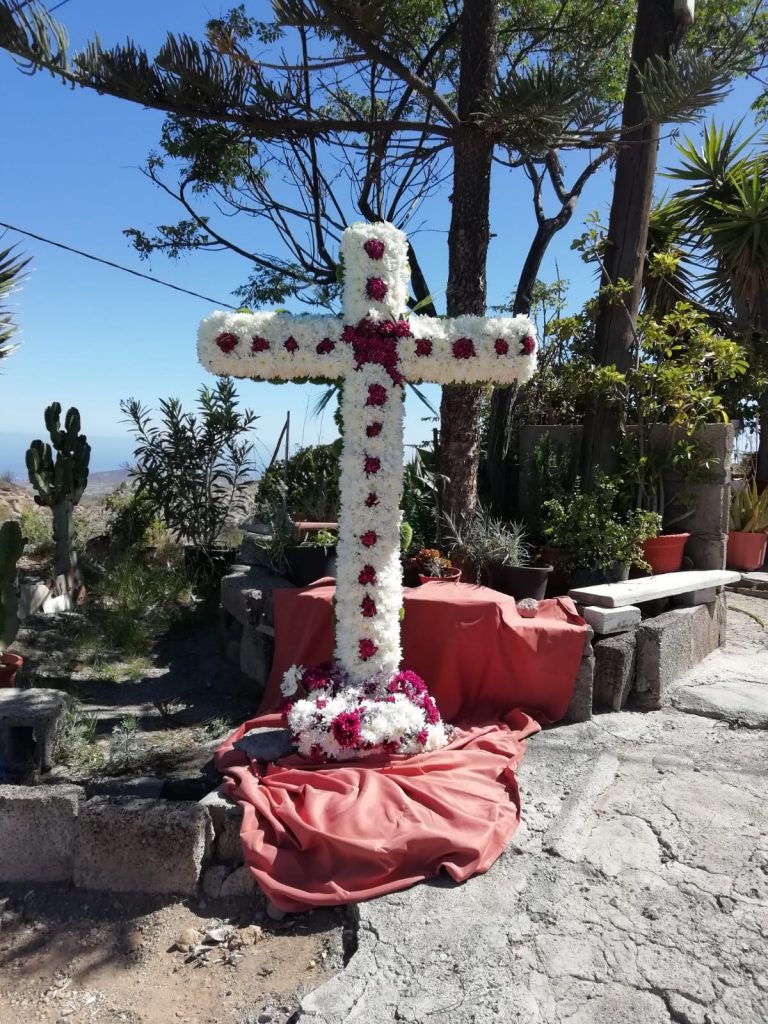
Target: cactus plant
60 484
11 547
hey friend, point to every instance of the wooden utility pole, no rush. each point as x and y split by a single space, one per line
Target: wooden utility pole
656 25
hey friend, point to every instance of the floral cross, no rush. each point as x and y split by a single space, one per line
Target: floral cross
374 348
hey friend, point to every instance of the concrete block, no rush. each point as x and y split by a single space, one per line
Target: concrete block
255 656
244 582
611 620
251 551
696 597
671 644
126 844
651 588
708 505
29 727
615 663
227 818
707 550
37 832
580 708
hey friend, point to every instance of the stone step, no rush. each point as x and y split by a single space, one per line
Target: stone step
652 588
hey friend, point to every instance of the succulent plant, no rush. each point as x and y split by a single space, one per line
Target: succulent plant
11 547
60 484
749 509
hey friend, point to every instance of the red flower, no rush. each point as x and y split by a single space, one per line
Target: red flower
373 429
430 711
423 347
291 344
372 499
226 342
367 575
367 648
502 346
529 346
372 464
422 737
346 728
368 539
368 607
316 753
463 348
325 346
259 344
377 394
375 248
376 289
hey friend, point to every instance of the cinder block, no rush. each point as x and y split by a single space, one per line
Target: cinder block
126 844
696 597
615 663
611 620
244 582
29 725
580 708
227 817
707 550
37 832
671 644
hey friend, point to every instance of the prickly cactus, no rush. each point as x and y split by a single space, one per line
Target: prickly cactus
11 547
60 483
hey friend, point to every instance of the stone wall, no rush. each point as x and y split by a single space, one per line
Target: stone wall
710 500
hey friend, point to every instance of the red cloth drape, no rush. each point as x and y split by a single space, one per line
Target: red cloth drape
478 656
319 835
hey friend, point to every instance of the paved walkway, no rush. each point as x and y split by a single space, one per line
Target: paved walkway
635 891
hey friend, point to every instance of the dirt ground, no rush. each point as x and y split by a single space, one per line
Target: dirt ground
70 957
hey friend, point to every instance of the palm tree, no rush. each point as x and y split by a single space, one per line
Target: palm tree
11 275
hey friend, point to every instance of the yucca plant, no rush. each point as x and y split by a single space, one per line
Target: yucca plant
12 268
749 509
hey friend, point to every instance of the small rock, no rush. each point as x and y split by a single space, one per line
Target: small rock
213 879
274 912
312 965
247 936
528 607
134 941
187 940
240 883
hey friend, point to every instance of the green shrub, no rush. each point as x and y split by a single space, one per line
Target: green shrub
37 528
132 519
308 483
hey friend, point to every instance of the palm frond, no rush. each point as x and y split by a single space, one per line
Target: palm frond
12 268
676 90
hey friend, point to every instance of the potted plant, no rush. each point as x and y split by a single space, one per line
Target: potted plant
748 536
431 565
11 547
497 554
599 543
313 558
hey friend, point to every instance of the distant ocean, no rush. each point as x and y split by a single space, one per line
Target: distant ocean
107 453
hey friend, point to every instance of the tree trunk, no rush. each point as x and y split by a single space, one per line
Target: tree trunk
761 463
627 238
468 246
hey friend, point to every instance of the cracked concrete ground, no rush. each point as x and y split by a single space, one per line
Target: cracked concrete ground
634 892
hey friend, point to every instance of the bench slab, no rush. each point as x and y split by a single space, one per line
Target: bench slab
652 588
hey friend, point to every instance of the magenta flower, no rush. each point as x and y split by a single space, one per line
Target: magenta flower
291 344
377 394
325 346
367 575
423 347
502 346
226 342
367 648
346 728
529 346
368 607
463 348
368 539
372 499
373 429
376 289
259 344
372 465
374 248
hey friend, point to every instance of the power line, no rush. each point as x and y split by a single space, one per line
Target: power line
116 266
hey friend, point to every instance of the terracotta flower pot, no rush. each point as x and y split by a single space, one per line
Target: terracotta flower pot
665 552
451 576
9 666
746 551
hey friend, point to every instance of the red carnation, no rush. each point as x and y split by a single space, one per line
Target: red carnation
346 728
367 575
367 649
463 348
291 344
372 464
375 248
529 346
226 342
325 346
372 499
259 344
368 607
377 394
423 347
502 346
376 289
373 429
368 539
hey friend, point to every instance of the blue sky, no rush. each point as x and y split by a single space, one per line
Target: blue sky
69 170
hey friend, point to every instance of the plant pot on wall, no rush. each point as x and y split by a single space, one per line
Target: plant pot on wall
310 562
9 666
665 552
521 581
746 551
449 576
